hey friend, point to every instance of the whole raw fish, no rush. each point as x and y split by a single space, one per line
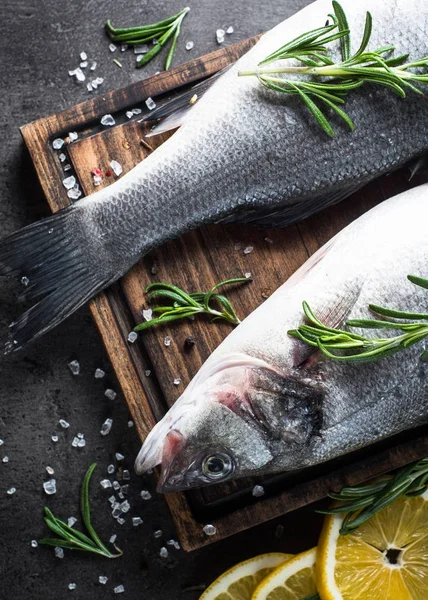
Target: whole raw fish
265 401
243 154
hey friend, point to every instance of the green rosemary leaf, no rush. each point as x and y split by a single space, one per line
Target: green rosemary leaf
340 112
162 319
366 35
342 23
317 113
420 281
86 511
397 314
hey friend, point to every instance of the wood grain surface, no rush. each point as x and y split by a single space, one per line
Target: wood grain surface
196 262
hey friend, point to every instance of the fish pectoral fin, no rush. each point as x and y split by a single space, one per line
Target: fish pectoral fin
172 114
281 215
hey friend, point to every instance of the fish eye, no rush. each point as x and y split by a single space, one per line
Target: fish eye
217 466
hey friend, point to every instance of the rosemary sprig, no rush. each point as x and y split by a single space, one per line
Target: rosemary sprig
351 347
72 538
328 83
160 32
361 503
184 305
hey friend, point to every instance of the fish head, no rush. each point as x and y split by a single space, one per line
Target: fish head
244 419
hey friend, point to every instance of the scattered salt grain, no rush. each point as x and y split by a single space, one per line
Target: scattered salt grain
74 193
258 491
147 314
113 538
71 521
163 553
150 103
116 485
1 442
141 49
129 114
72 586
54 438
167 340
105 483
121 521
209 530
102 579
34 543
49 471
62 157
158 533
123 47
145 495
137 111
93 65
112 48
248 275
63 422
220 35
248 249
67 167
106 427
177 381
189 45
25 281
110 469
119 456
126 475
73 135
68 183
78 73
268 240
110 394
130 424
84 64
112 500
59 552
96 180
11 491
229 30
117 167
125 489
137 521
99 374
58 143
89 86
83 56
132 337
81 443
119 589
147 372
75 442
50 487
5 459
107 120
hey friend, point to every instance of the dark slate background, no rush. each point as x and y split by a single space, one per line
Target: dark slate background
41 40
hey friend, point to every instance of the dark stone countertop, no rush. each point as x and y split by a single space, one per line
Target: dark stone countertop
41 40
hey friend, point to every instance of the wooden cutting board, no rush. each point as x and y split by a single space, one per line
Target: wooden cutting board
197 261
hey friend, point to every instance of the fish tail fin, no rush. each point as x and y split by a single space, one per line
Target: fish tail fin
54 268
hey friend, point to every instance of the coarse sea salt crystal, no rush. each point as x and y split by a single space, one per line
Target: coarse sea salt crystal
50 487
248 249
49 471
163 552
93 65
117 167
119 589
130 424
248 275
147 314
121 521
145 495
84 64
63 422
189 45
116 485
99 373
137 111
106 426
11 491
59 552
268 240
83 56
177 381
137 521
220 33
105 483
113 538
54 438
62 157
68 183
119 456
67 167
81 443
74 365
110 469
72 586
89 86
110 394
158 533
132 337
34 543
75 442
1 442
141 49
103 579
71 521
78 73
258 491
25 281
229 30
97 180
58 143
72 136
74 193
99 80
107 120
112 48
209 529
150 103
126 475
147 372
5 459
129 114
167 341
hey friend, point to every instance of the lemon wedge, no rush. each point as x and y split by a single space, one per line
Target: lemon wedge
239 582
294 580
384 559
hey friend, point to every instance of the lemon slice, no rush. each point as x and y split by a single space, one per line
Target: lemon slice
239 582
294 580
384 559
